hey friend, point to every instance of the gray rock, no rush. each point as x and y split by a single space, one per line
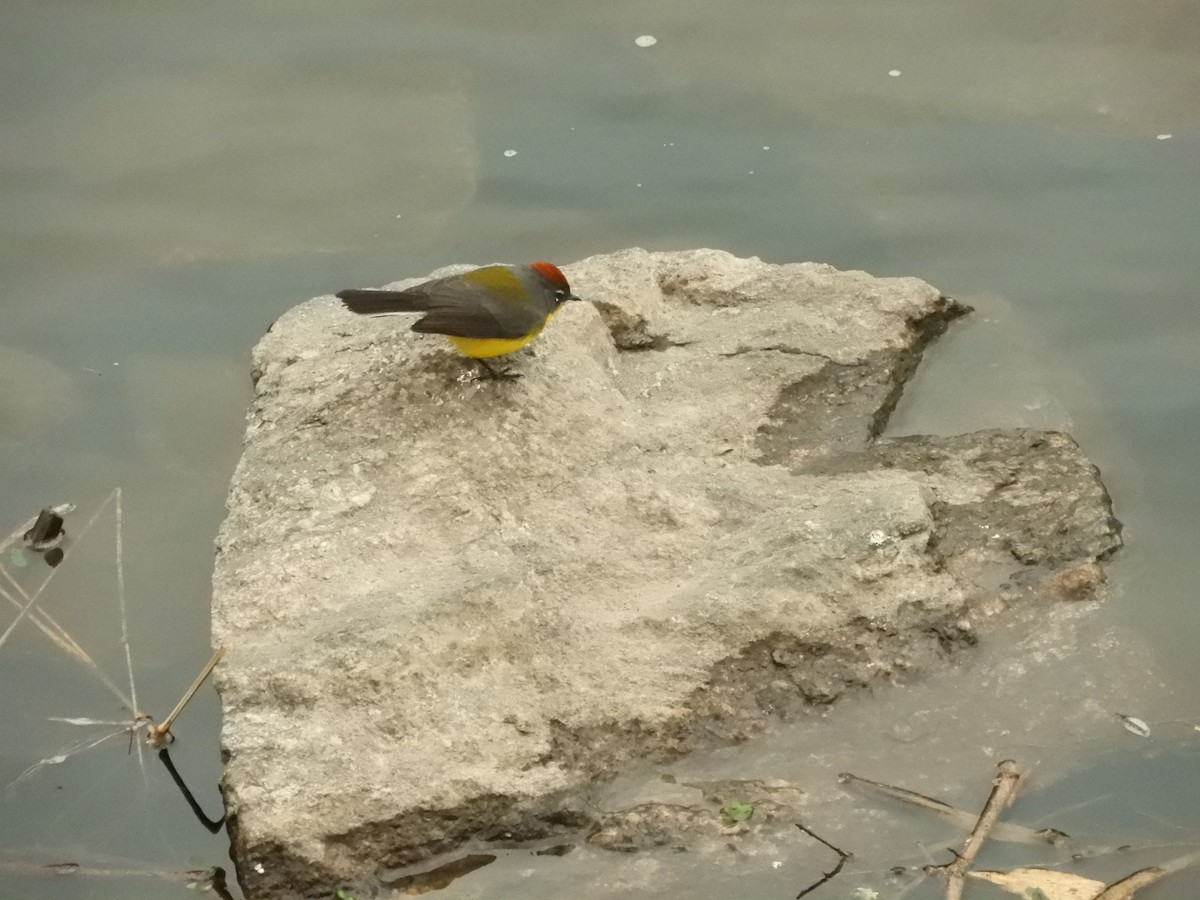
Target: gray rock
448 603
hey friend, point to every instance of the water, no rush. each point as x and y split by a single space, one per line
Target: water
173 178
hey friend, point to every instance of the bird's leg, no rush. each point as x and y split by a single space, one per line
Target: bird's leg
497 374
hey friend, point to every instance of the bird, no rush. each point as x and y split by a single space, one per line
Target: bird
486 312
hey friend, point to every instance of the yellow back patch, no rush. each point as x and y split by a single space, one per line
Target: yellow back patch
499 280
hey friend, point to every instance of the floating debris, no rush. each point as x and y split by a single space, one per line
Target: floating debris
1134 725
556 850
46 532
646 40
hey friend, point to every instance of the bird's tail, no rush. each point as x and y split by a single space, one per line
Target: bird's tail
376 303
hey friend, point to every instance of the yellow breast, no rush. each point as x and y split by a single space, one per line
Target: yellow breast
484 347
481 348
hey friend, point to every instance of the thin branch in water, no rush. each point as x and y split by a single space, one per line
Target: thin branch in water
1004 791
1127 886
74 750
197 878
125 619
47 624
45 581
22 610
59 636
1010 832
83 720
825 876
40 619
160 735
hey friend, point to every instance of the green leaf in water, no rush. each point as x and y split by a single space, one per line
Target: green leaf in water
738 812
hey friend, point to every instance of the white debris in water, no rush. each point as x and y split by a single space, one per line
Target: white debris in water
639 184
645 40
510 153
765 147
776 864
1163 137
1134 725
895 73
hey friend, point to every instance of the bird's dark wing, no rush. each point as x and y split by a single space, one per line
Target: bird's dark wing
476 322
454 306
462 309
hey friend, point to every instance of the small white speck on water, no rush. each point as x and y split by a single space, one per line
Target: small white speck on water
639 184
1163 137
510 153
751 171
645 40
765 147
399 215
895 73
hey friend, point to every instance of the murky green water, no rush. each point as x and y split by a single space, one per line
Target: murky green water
172 178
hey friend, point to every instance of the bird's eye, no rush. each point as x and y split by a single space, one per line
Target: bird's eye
560 295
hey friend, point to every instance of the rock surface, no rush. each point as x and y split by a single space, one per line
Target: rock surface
447 603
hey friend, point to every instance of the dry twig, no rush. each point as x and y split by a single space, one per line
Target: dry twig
1010 832
1004 790
1127 886
158 736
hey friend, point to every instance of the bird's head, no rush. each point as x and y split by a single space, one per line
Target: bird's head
552 280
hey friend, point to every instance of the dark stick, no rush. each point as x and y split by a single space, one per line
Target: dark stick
212 825
826 876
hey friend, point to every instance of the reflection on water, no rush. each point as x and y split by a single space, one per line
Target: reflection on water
174 178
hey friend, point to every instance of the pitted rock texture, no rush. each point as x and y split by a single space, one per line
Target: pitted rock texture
449 602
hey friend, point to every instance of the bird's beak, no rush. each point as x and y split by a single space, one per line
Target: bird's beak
573 297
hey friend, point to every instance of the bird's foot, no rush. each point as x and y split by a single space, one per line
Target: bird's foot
494 374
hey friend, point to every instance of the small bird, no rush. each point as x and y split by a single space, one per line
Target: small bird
486 312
